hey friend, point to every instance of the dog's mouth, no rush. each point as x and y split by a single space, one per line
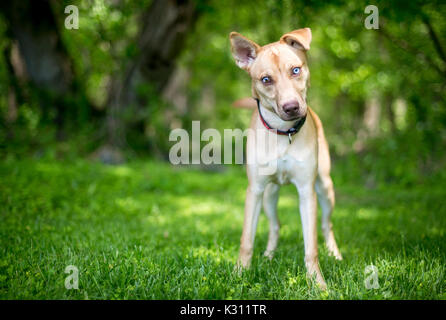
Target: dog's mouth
290 118
296 117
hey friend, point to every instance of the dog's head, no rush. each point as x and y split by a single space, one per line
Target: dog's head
279 71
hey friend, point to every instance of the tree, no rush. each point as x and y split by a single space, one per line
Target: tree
33 25
160 40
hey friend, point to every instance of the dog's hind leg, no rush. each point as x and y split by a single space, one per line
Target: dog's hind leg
325 191
270 198
325 194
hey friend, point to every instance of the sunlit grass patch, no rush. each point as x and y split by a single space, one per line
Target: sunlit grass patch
149 230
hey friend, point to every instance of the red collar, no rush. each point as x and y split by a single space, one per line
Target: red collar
290 132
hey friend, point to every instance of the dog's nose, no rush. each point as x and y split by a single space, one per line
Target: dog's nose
291 108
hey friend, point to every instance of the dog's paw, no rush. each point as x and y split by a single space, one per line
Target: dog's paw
268 254
317 280
338 256
334 251
239 268
322 285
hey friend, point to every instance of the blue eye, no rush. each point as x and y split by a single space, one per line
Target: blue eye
266 79
296 70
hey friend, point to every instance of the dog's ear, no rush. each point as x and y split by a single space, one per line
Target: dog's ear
299 39
243 50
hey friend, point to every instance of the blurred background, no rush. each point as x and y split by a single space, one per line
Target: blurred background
113 89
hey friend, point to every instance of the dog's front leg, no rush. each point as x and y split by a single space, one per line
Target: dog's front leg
308 214
253 205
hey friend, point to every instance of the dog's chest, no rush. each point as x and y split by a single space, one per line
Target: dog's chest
286 166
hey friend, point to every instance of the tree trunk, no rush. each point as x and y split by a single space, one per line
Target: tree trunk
370 123
48 65
10 54
164 27
388 101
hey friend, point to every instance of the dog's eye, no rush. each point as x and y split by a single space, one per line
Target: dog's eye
266 80
296 71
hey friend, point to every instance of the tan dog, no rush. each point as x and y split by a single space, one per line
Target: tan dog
280 74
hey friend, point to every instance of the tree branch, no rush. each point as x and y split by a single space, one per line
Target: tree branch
403 44
434 37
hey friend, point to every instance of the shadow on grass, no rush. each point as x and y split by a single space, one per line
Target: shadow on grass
160 232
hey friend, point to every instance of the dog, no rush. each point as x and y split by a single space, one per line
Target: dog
279 73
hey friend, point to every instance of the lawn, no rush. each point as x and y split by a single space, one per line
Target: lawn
148 230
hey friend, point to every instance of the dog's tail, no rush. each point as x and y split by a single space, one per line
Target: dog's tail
245 103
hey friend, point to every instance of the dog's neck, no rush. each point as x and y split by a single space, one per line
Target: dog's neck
272 118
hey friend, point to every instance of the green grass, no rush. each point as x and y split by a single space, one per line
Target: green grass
148 230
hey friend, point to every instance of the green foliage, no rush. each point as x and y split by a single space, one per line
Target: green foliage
398 65
350 66
153 231
104 42
148 230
